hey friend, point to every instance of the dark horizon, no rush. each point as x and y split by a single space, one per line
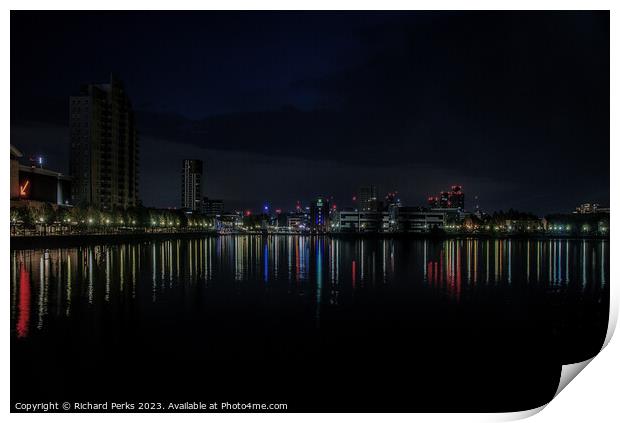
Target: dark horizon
284 106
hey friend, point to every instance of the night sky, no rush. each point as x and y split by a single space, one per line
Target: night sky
285 106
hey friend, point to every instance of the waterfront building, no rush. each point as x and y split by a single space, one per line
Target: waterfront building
229 221
452 215
367 198
212 207
294 221
349 220
298 220
415 219
37 184
395 219
319 214
104 147
191 186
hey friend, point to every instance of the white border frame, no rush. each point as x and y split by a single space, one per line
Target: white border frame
593 396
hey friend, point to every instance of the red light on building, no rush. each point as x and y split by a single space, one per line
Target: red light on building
433 201
450 199
248 213
278 211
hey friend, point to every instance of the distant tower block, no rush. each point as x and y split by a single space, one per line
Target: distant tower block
191 189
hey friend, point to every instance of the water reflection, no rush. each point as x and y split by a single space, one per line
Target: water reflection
323 272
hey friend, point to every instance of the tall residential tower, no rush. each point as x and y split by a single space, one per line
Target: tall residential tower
104 147
368 198
191 190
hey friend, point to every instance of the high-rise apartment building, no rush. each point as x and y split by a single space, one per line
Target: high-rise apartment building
368 198
104 147
319 214
191 190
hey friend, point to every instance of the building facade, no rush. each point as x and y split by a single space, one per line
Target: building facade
414 219
319 214
368 198
104 147
455 198
396 219
361 221
229 221
37 184
15 156
34 183
297 220
191 189
212 207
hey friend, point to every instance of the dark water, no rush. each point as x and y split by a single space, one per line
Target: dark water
318 323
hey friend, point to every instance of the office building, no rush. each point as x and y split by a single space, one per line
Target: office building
360 221
229 221
104 147
211 207
414 219
191 189
452 215
298 220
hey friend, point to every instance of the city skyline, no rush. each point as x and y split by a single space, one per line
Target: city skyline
365 198
376 98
